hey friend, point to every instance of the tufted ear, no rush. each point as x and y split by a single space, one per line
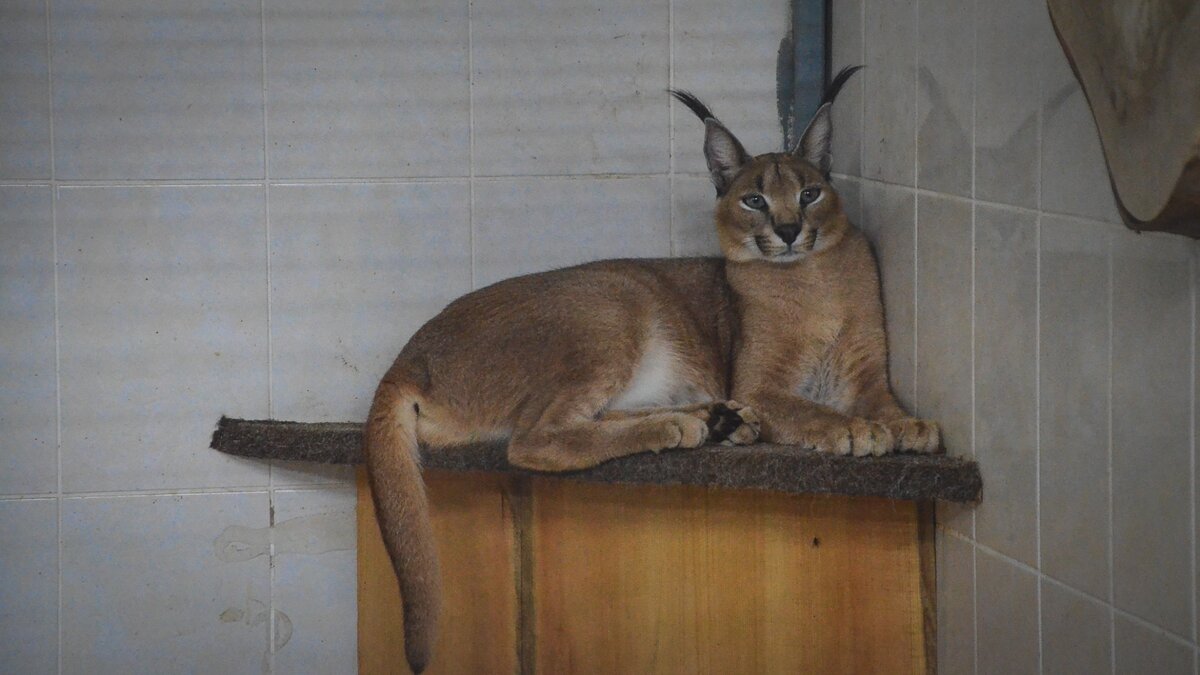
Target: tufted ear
814 142
722 150
724 153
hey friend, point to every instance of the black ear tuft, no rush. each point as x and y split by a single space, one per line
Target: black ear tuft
838 82
815 141
689 99
722 150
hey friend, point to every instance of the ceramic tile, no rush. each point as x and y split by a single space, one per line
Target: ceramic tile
887 220
163 329
849 191
1076 632
945 106
694 228
355 270
25 81
526 225
890 114
1074 390
1007 611
28 406
166 584
315 581
726 54
1144 651
29 586
1074 365
572 87
1074 173
1151 413
944 314
955 605
1006 101
157 89
367 89
846 36
944 318
1006 379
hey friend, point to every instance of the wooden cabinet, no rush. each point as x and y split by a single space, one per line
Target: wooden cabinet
553 576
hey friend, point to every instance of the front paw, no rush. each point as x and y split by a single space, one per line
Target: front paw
916 435
857 436
681 431
732 423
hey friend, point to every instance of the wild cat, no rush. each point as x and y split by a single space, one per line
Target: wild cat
783 336
812 361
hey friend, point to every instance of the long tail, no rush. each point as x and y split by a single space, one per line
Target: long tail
390 446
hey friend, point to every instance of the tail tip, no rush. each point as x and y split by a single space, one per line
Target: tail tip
418 659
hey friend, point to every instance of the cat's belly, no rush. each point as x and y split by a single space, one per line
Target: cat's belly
659 380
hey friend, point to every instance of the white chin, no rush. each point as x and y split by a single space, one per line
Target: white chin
784 257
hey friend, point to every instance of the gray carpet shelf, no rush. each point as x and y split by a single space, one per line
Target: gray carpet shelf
761 466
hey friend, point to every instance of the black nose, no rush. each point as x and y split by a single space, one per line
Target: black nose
788 233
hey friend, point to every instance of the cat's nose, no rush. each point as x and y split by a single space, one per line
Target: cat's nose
788 233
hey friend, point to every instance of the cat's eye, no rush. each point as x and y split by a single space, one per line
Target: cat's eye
756 202
809 195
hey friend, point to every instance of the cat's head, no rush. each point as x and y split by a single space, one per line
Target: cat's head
778 206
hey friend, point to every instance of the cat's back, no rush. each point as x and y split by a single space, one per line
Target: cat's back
595 300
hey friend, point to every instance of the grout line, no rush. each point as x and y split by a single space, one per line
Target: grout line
1037 426
974 215
862 104
182 492
916 203
1192 415
471 136
1041 576
1070 217
266 157
262 6
365 180
58 440
36 497
974 606
671 125
1112 596
1037 396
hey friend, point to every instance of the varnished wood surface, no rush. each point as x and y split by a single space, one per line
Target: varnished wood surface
473 523
647 579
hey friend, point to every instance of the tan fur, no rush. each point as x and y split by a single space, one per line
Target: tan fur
578 366
540 360
813 363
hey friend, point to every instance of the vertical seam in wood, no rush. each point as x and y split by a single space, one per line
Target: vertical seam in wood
520 502
927 556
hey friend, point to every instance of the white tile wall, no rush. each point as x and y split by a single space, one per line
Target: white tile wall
29 592
240 207
162 329
369 89
25 80
28 419
1081 348
149 89
570 87
165 584
314 540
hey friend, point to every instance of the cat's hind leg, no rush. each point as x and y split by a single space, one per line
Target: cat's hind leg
583 443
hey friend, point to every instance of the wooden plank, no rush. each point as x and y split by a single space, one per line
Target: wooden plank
684 579
473 522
